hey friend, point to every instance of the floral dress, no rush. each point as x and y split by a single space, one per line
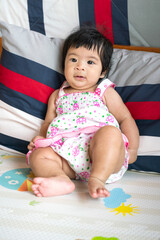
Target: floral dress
79 116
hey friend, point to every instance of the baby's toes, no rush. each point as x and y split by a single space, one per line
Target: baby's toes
34 187
103 192
38 194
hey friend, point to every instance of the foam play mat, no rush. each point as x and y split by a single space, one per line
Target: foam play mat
132 212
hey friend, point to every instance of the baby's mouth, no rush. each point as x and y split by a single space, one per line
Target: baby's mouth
79 77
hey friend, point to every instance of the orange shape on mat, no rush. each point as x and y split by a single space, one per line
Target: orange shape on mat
26 186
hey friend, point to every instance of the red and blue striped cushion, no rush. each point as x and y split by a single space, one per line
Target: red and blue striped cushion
30 70
29 73
125 22
137 78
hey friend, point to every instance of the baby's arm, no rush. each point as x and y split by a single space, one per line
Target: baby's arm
50 115
126 121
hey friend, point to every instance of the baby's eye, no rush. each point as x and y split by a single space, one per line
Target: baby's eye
73 60
90 62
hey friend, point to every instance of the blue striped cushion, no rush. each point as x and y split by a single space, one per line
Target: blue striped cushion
123 20
137 78
31 58
29 73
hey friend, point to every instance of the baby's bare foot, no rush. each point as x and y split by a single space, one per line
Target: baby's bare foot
96 188
53 186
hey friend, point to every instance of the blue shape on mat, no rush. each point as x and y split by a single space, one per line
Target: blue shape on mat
117 197
13 179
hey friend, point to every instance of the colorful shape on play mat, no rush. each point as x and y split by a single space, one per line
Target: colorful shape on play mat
17 179
117 197
126 209
104 238
33 203
7 156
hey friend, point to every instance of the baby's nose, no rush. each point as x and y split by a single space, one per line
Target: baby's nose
80 66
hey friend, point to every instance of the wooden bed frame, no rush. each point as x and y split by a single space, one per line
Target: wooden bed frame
148 49
140 48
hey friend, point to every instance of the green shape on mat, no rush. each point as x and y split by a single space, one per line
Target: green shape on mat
104 238
33 203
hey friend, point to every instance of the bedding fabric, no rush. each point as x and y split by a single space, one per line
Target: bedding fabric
29 73
123 21
30 67
137 78
132 212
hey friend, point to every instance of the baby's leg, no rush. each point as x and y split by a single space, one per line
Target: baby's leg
52 173
107 152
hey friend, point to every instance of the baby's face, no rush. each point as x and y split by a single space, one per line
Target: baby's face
83 68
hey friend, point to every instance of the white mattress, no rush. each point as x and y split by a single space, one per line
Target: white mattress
131 212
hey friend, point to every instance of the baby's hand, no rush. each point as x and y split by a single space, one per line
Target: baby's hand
31 145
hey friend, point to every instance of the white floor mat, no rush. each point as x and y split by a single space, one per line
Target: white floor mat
132 212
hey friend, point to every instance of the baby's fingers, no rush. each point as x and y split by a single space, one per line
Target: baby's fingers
31 146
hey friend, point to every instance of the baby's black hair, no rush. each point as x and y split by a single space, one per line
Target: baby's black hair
90 38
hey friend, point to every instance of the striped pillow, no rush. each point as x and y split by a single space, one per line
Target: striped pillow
29 73
123 20
27 79
137 78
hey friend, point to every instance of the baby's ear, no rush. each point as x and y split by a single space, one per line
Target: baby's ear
103 74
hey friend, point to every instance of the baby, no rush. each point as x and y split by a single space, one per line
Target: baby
88 132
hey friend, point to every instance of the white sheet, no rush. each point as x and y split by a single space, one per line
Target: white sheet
132 212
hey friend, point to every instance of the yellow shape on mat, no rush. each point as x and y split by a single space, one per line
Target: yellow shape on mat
29 185
126 209
11 156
